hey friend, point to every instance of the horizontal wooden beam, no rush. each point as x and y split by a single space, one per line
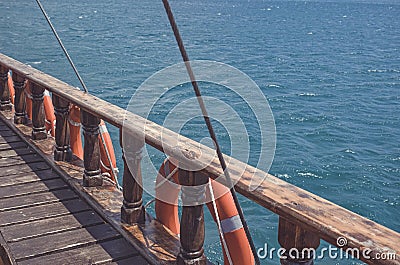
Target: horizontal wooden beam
328 220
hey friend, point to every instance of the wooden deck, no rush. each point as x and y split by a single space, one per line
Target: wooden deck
43 220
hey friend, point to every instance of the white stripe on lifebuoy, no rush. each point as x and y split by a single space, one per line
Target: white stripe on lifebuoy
103 128
74 123
27 94
231 224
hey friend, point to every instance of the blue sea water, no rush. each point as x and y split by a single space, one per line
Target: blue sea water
330 71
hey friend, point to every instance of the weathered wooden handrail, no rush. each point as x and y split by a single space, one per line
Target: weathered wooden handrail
310 213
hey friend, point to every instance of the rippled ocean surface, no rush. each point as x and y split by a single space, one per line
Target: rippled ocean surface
330 71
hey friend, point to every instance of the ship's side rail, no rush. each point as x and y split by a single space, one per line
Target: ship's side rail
304 218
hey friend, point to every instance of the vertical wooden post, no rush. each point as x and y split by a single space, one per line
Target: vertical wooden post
192 220
91 150
62 137
38 114
19 99
132 210
300 244
5 103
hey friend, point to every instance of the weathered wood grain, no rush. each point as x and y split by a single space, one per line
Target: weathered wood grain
40 168
31 188
61 241
137 260
7 133
12 203
19 160
291 236
93 254
17 152
42 211
27 177
155 241
9 139
18 232
14 146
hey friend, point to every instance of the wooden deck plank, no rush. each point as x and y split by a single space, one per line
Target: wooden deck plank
14 233
9 139
42 211
15 146
33 187
3 126
19 160
18 152
62 241
36 199
24 168
94 254
7 133
137 260
28 177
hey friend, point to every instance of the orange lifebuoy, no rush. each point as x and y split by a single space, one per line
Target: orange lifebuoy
49 113
167 213
11 88
75 131
234 234
107 153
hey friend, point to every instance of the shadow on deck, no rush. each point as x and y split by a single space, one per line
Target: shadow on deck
44 221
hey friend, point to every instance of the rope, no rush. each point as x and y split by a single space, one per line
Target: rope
166 178
221 233
62 46
109 176
149 203
109 158
207 120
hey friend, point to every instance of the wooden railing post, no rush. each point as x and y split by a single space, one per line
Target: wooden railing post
62 137
132 210
91 150
192 220
5 103
300 244
38 114
19 99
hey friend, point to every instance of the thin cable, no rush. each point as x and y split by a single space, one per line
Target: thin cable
207 120
62 46
112 169
167 178
221 233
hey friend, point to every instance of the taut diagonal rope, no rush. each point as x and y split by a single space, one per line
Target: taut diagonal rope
210 128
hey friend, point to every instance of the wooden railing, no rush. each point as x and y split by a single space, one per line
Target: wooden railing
304 217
